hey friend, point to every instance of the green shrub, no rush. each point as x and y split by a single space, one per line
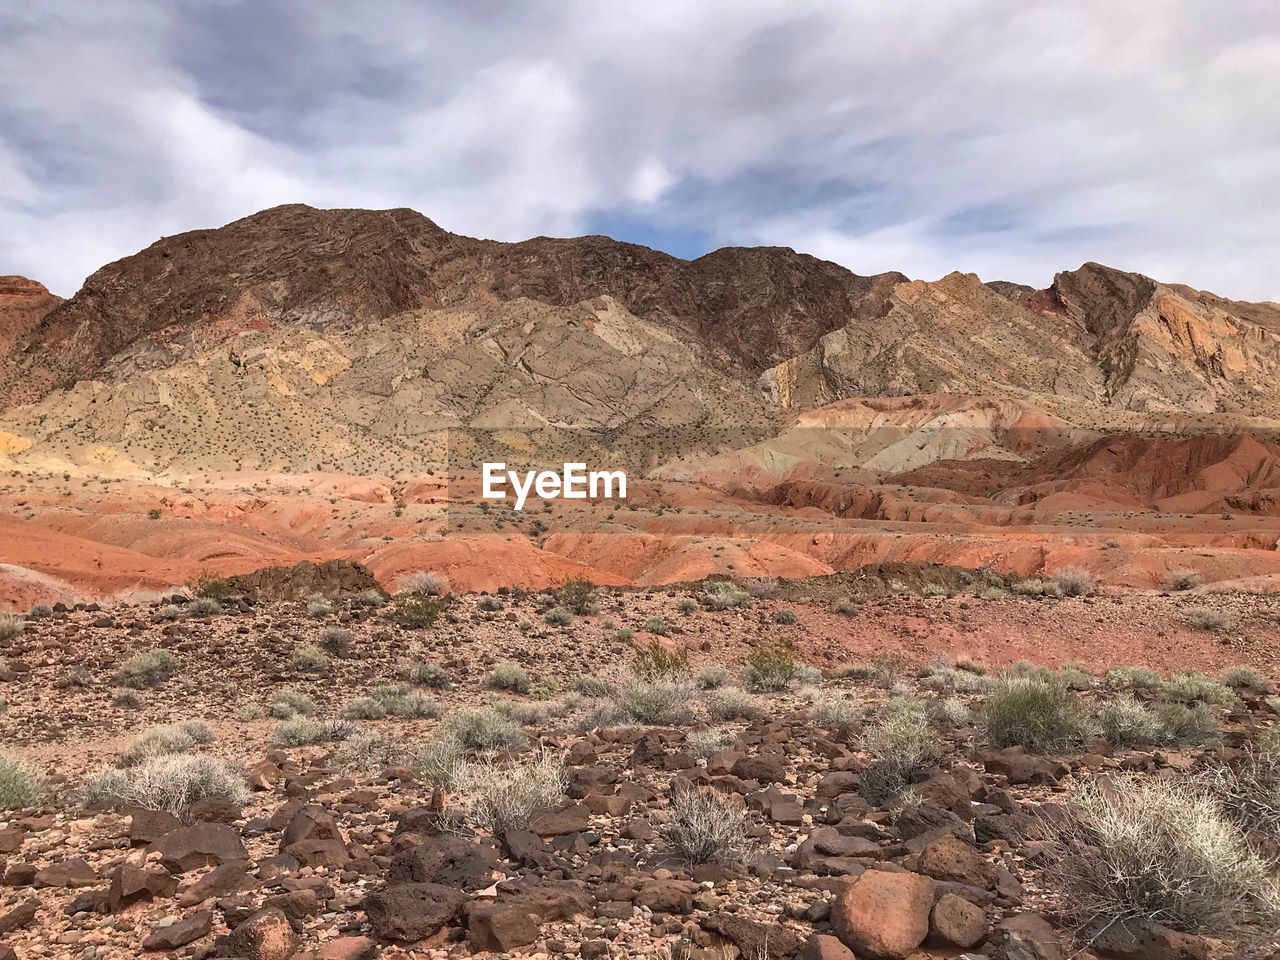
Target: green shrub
371 598
956 681
441 762
417 611
950 713
318 607
304 731
1132 678
652 702
288 703
309 659
624 635
364 708
593 686
1245 679
687 605
1035 587
770 669
509 676
147 669
579 596
657 626
785 617
558 617
723 594
41 611
1037 714
20 788
655 661
484 728
1183 725
1159 850
166 739
899 746
1126 723
1197 688
401 700
210 587
203 607
707 743
840 715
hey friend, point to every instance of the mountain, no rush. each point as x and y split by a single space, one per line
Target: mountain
23 303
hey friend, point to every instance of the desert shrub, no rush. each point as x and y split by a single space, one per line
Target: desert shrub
707 743
712 677
807 676
934 590
147 669
170 611
707 826
1126 723
723 594
956 681
1034 713
247 712
166 739
838 714
1197 688
20 788
1162 851
304 731
364 708
336 641
967 664
369 752
558 617
624 635
309 659
655 661
593 686
1245 679
1183 579
172 783
1074 581
484 728
949 713
770 669
128 699
1248 790
318 606
41 611
490 604
846 608
687 605
1035 587
899 746
578 595
503 798
761 586
417 611
423 674
1183 725
1207 619
201 607
1072 677
1132 678
441 762
733 703
206 585
401 700
426 582
371 598
784 617
288 703
653 702
509 676
991 593
655 625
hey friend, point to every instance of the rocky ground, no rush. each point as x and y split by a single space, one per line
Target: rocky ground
354 846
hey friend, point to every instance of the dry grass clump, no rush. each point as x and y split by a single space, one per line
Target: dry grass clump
733 703
172 783
484 728
707 826
370 752
147 669
1245 679
1132 678
166 739
707 743
304 731
423 674
1183 579
510 677
1032 712
506 797
956 680
20 788
309 659
1074 581
1248 791
656 662
1160 851
1207 619
1194 687
899 746
1035 587
337 641
426 582
723 594
288 703
417 611
840 715
711 678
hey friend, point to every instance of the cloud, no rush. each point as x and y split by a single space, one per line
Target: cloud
1007 138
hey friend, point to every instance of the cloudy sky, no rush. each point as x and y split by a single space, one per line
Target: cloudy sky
1011 138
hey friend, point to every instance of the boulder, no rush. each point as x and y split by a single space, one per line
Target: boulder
958 923
408 912
884 915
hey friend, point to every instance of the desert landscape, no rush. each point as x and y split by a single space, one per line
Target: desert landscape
939 618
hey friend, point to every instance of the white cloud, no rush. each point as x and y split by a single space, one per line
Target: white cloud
1007 138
